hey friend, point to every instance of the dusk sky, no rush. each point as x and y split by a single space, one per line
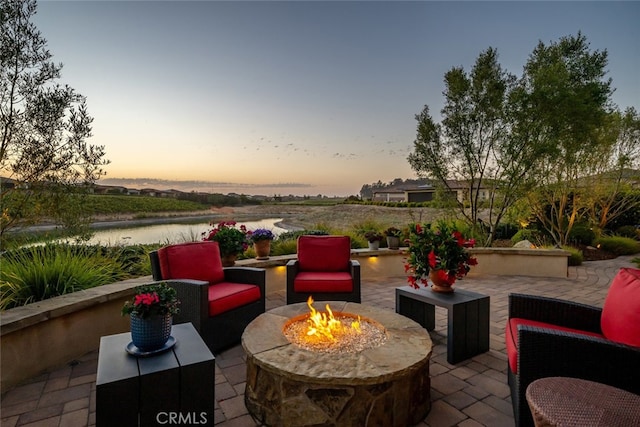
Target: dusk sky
323 95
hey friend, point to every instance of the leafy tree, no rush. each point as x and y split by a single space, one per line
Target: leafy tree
44 156
563 106
610 192
474 143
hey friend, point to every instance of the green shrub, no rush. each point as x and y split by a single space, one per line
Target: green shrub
618 245
293 235
526 234
43 272
357 241
581 234
636 261
629 231
289 235
506 231
576 256
284 247
368 225
134 260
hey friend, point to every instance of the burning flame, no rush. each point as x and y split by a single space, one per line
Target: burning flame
324 326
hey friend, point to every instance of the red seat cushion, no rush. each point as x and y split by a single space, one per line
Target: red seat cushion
318 282
620 321
324 253
511 337
193 260
225 296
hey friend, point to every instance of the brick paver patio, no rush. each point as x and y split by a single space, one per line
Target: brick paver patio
471 393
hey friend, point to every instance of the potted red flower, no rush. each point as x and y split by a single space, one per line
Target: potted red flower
232 240
439 254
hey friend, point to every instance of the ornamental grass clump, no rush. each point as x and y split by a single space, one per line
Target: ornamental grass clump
232 240
442 249
152 300
41 272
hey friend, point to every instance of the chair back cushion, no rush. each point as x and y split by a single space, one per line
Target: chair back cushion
324 253
620 319
193 260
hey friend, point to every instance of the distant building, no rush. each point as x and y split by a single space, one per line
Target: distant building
389 196
426 193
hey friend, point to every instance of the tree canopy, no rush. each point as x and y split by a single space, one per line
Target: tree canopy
44 155
551 136
473 143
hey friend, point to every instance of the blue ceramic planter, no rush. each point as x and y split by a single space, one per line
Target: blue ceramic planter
152 333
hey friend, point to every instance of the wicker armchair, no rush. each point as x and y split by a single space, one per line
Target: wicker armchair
549 337
324 269
219 302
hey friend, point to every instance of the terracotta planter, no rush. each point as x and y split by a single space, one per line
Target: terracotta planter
229 260
262 249
439 285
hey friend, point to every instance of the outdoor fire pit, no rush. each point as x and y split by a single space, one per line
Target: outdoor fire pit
381 380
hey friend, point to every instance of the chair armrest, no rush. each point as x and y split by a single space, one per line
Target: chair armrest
354 270
293 267
155 265
251 275
194 301
545 352
555 311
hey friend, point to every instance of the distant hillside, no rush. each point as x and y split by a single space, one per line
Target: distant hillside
204 186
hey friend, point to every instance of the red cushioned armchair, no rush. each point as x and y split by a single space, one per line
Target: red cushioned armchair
547 337
324 269
219 302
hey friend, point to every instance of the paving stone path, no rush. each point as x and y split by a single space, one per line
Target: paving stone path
469 394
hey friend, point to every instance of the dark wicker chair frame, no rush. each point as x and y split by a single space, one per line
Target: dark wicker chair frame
224 330
547 352
294 297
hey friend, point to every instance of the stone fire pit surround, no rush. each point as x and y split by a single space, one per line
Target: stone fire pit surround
383 386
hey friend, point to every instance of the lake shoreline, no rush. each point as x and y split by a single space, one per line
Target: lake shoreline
294 217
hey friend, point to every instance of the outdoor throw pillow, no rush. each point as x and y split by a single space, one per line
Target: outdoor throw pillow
620 320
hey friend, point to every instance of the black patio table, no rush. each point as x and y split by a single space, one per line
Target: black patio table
175 386
467 321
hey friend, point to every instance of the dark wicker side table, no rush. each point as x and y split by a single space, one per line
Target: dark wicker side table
560 401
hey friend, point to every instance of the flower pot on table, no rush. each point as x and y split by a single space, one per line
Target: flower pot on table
151 333
439 284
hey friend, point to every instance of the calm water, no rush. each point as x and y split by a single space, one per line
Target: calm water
170 233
